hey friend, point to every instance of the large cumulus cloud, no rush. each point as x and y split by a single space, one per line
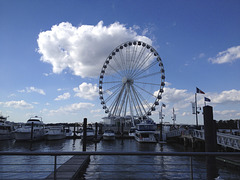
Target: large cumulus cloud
82 49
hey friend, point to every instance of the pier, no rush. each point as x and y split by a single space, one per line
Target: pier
72 169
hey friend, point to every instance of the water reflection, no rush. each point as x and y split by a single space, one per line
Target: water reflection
103 167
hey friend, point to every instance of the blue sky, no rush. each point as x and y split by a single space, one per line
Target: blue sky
52 52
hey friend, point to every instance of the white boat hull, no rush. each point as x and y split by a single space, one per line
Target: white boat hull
145 137
55 136
26 136
55 133
109 137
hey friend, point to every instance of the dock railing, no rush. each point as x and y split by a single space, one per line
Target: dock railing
56 164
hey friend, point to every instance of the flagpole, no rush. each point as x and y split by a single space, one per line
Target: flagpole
161 125
196 109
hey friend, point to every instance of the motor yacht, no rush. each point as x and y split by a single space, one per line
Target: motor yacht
145 132
31 131
55 132
108 135
6 129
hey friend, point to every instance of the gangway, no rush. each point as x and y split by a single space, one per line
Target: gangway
223 139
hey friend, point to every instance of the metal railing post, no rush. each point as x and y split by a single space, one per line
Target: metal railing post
55 167
191 167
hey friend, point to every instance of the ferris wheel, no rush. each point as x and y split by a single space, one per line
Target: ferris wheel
131 81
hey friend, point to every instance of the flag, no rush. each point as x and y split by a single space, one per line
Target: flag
207 99
200 91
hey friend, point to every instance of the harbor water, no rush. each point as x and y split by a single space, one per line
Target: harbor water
106 167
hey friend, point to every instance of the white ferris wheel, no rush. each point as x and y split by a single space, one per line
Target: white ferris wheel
131 81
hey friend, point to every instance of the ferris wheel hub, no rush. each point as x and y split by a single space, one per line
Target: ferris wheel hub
126 80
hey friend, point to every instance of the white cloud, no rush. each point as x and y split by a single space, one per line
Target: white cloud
83 49
226 112
86 91
201 55
174 95
228 56
96 111
32 89
17 104
73 108
63 97
231 96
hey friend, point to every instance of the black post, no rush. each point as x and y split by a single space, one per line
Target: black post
161 138
96 130
122 129
210 141
74 131
32 131
84 140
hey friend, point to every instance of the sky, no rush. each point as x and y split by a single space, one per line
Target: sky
52 52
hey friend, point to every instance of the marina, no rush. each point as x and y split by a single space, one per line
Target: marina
109 160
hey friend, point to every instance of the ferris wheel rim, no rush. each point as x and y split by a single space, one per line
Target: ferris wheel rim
130 80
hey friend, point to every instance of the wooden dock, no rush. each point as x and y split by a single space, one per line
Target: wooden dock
230 161
72 169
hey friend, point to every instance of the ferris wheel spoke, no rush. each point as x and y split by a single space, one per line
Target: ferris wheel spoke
122 102
147 83
110 82
133 57
119 65
139 102
138 59
123 61
112 95
115 104
118 72
152 74
144 69
144 90
115 76
144 61
143 99
111 88
135 103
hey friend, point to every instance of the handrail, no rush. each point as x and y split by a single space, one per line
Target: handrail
137 153
54 169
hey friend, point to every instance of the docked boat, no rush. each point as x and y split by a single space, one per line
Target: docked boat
145 132
6 129
132 131
55 132
68 132
31 131
108 135
90 133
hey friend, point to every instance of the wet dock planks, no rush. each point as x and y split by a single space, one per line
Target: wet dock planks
72 169
232 161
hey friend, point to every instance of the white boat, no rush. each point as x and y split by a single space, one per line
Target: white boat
55 132
31 131
6 129
68 132
108 135
145 132
90 133
132 131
